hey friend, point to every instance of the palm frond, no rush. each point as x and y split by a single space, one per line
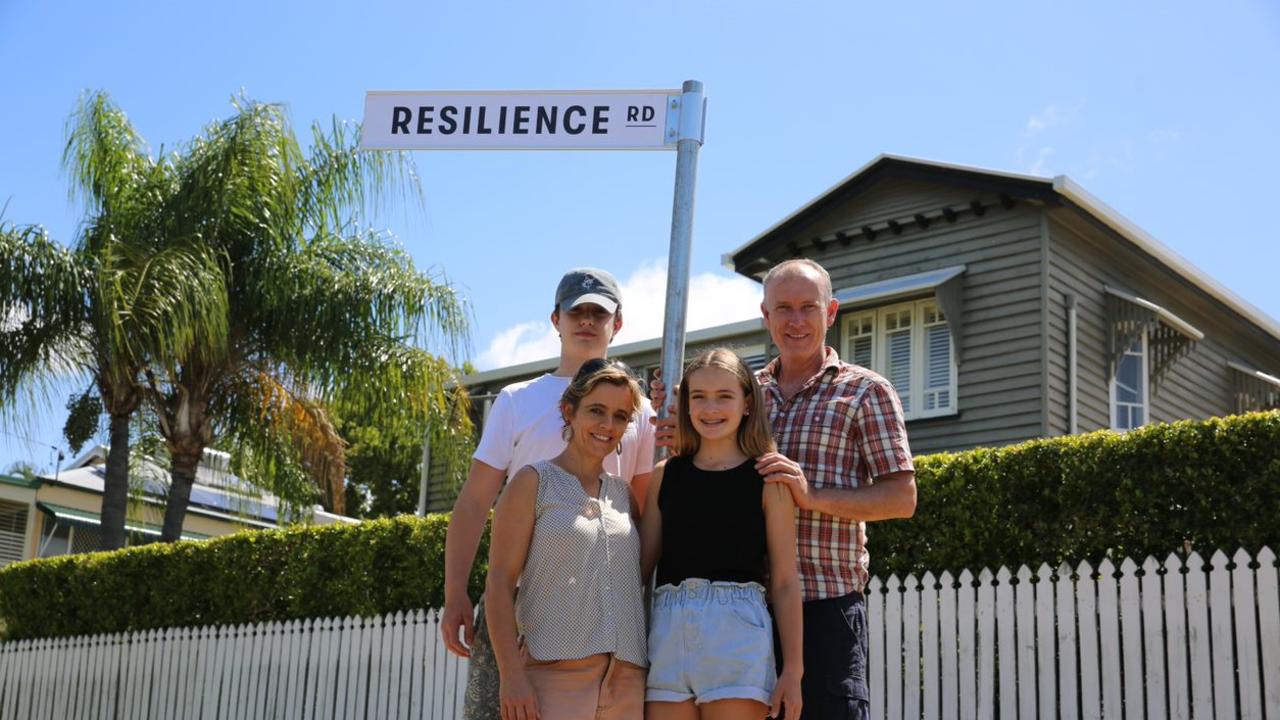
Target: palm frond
322 306
342 182
44 330
274 418
105 156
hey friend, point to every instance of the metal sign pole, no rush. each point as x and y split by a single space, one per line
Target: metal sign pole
692 109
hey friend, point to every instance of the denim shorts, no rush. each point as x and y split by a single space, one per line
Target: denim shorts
710 641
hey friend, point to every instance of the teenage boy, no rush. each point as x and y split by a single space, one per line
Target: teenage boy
524 426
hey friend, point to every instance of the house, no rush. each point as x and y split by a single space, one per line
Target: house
59 514
1003 307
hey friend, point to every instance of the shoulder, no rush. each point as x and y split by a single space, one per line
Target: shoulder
858 382
522 487
646 410
533 386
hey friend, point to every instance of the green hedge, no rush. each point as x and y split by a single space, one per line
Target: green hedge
1192 485
256 576
1198 485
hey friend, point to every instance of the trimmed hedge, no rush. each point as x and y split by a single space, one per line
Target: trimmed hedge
1189 485
376 567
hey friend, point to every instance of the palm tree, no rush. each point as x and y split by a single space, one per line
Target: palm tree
318 309
96 314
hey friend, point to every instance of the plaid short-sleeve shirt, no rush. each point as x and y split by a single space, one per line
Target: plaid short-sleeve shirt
844 428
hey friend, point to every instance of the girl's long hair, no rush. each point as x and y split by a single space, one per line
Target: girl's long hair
754 436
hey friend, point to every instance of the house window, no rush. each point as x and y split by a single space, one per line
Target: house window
1129 396
910 345
13 531
56 538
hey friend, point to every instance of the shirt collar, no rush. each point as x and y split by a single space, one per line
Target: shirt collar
830 366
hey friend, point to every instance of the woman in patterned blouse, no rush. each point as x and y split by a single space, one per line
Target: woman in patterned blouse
563 531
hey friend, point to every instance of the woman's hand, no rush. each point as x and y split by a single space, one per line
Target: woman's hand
786 693
517 698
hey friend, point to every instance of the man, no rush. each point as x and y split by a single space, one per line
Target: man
523 427
843 454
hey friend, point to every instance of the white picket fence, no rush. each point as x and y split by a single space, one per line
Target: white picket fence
392 666
1156 641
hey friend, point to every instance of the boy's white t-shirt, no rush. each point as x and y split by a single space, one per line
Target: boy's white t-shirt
524 427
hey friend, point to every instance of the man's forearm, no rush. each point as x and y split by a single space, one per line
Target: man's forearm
889 497
466 525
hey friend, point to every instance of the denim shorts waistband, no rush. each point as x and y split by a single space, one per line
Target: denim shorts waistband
700 589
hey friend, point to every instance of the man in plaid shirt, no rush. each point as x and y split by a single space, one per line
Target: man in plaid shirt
843 454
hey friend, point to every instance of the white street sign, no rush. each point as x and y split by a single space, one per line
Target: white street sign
522 120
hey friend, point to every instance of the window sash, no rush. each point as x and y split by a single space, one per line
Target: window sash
1127 414
910 344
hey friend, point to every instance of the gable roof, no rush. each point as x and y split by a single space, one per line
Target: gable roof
1058 191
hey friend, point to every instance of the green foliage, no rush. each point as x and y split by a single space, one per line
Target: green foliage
1192 485
83 414
384 454
254 576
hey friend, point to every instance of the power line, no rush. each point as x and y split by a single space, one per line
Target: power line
26 439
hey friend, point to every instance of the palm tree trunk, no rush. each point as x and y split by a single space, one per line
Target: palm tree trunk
182 474
115 490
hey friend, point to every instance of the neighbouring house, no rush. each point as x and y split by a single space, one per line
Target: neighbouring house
1003 307
59 514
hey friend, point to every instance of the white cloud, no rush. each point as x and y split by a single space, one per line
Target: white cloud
713 300
1040 166
1044 120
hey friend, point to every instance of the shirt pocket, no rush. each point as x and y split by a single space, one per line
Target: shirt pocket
828 430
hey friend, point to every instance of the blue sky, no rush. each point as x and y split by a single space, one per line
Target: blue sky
1166 111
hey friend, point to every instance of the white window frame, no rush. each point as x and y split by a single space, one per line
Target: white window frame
1145 380
880 350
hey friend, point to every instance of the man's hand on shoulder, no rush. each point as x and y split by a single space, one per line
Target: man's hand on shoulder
778 468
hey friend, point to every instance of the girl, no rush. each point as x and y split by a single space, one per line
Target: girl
563 530
708 525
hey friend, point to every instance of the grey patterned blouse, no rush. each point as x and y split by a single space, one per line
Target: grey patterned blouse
580 590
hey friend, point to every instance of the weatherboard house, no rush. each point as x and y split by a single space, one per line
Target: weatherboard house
1003 307
59 514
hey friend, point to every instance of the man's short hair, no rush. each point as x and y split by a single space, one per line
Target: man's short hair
787 267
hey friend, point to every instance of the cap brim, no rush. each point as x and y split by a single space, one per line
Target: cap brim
608 304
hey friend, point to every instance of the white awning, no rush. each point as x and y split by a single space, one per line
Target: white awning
907 285
945 284
1253 389
1130 317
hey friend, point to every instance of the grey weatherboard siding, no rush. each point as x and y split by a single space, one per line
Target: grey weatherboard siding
1026 244
1084 257
1000 359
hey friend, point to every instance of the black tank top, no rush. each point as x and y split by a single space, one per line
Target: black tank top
712 523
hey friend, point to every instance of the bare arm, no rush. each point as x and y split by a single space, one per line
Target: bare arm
784 590
889 496
651 527
466 525
513 522
640 491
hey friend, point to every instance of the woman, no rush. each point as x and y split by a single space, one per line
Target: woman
563 531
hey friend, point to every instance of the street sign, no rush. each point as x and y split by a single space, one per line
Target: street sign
564 120
523 120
